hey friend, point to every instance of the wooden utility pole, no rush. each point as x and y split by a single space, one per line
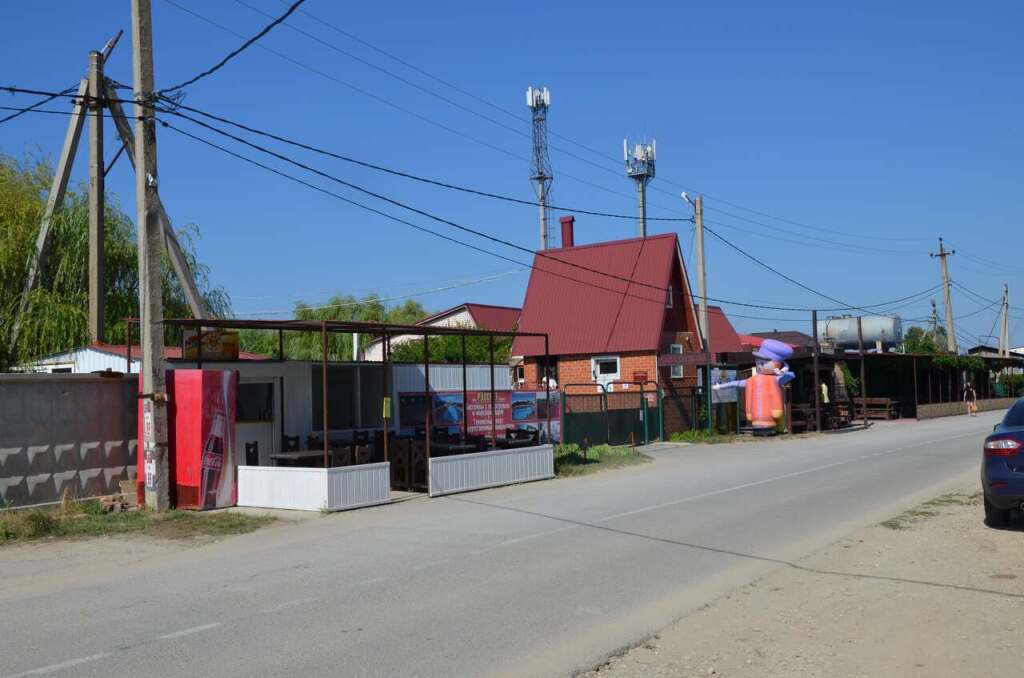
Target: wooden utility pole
944 267
154 395
97 221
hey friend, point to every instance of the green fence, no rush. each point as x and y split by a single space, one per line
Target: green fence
620 413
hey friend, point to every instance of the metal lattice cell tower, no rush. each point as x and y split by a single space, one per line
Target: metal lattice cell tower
539 99
640 168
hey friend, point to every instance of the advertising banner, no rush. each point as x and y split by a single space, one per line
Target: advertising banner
216 345
523 410
217 481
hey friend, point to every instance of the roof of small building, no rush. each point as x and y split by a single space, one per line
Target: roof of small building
791 337
599 298
121 351
723 337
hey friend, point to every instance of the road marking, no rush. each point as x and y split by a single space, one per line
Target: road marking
53 668
188 632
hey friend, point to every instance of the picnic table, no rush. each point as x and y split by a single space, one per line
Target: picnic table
878 408
296 456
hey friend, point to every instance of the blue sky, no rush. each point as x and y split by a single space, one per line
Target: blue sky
855 124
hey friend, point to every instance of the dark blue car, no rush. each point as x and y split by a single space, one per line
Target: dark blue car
1002 467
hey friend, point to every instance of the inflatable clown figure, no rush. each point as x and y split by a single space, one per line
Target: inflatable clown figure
763 391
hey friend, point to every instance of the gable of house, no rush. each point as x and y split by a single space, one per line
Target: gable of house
604 298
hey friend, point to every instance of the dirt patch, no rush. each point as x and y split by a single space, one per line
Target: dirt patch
931 592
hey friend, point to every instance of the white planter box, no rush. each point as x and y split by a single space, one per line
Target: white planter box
314 489
465 472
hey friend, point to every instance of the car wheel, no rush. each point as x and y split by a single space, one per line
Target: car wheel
996 517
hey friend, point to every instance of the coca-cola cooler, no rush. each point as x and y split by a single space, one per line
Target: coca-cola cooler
201 439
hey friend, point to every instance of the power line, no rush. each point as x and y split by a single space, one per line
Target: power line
813 242
175 108
245 45
35 106
391 104
482 234
540 255
409 295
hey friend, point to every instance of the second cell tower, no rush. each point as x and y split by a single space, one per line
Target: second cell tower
538 100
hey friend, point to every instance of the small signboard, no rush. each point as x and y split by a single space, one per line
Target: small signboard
215 345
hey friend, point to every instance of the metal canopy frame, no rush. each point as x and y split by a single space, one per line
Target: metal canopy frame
385 331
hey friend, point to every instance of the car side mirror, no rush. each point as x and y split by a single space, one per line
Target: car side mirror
996 427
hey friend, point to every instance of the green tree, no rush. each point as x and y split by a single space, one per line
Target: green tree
57 315
919 340
448 349
308 345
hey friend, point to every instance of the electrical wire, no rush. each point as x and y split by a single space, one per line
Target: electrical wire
34 107
476 232
248 43
844 306
391 104
814 242
176 108
540 255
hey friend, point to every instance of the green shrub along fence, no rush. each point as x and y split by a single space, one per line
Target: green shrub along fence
620 413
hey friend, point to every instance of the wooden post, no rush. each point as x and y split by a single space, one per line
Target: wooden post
150 241
547 390
280 345
97 226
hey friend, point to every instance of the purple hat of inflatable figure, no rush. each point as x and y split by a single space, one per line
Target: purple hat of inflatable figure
775 350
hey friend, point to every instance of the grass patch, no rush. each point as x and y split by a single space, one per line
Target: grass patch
926 510
706 437
570 460
89 519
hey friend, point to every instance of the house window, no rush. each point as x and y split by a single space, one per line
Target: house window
605 368
668 297
520 374
677 370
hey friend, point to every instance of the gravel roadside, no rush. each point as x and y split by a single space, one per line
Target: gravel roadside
931 592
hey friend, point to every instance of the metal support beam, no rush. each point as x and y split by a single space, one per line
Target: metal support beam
863 382
196 303
494 422
323 377
428 403
54 201
817 377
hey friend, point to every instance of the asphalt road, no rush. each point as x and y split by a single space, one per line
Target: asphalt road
540 579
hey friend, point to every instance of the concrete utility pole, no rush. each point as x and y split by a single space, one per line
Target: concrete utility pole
702 272
1004 332
154 394
54 201
97 221
944 267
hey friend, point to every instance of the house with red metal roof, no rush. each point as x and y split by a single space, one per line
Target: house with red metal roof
467 315
613 311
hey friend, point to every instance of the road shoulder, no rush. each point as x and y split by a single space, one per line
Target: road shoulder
929 592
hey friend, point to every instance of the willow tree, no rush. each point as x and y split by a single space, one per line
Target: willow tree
57 315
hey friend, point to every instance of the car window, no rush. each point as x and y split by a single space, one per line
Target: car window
1015 417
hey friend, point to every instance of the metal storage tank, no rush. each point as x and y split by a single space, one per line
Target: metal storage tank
841 332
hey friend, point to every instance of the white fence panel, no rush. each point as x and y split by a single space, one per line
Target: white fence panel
314 489
466 472
355 486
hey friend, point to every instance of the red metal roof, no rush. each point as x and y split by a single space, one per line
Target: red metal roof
497 318
723 337
170 352
587 312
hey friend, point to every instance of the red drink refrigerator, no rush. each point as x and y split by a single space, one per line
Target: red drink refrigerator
201 439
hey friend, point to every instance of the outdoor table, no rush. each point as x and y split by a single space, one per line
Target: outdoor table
298 456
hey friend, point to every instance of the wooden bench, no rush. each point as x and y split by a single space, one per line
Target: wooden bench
877 408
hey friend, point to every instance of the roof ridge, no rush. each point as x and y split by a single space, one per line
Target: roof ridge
606 243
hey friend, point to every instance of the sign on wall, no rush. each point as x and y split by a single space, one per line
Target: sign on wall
525 410
216 345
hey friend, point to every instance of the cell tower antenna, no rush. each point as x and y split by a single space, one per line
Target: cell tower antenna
539 99
640 168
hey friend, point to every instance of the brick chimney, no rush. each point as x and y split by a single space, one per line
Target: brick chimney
567 230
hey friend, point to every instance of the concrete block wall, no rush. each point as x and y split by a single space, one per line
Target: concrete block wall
952 409
65 432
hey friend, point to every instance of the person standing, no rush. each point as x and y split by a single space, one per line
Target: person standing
971 398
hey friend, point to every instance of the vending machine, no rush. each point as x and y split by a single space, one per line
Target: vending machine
201 439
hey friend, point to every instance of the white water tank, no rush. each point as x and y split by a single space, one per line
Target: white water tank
841 332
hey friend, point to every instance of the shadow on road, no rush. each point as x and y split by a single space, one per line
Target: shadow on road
751 556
